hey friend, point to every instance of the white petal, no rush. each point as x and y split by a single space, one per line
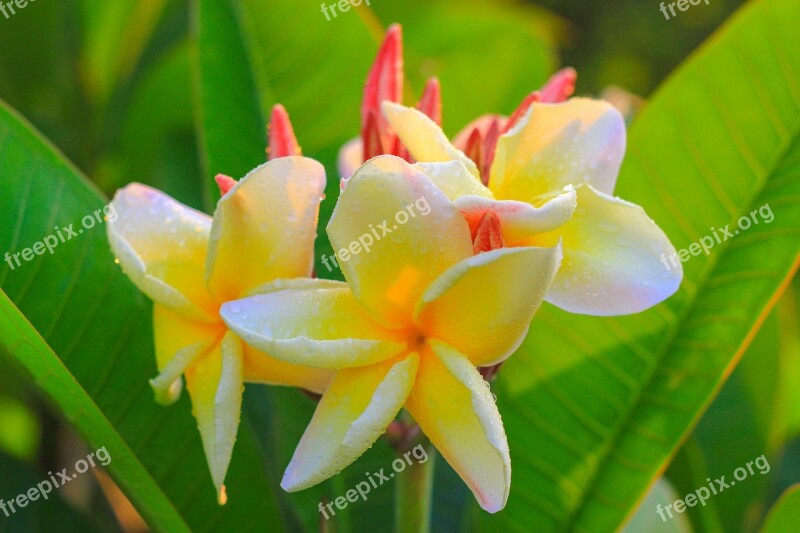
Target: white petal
616 259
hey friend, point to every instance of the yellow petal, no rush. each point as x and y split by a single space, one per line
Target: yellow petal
616 259
454 179
452 404
179 342
161 245
483 306
261 368
424 139
321 327
168 384
555 145
215 386
354 411
264 228
395 231
295 284
521 220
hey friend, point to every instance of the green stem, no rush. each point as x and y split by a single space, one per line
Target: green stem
413 495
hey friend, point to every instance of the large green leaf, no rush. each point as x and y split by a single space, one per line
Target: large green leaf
748 411
114 38
594 408
19 339
647 517
98 324
785 515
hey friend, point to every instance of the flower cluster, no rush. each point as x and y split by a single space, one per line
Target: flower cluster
521 211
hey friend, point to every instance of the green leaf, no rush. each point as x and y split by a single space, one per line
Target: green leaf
647 517
115 36
20 340
687 471
784 515
99 325
595 408
748 411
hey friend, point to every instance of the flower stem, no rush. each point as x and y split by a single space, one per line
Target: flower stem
413 495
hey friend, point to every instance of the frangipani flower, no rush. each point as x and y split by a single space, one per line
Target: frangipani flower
418 314
552 178
190 264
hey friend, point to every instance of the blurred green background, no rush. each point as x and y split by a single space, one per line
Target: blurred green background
112 84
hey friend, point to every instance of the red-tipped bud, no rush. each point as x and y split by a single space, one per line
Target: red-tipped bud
487 234
560 86
557 89
523 108
489 147
400 150
384 82
371 138
282 142
225 183
431 101
475 150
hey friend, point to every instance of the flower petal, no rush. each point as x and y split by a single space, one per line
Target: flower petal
262 368
265 227
521 220
353 413
615 259
178 343
351 156
395 231
215 385
483 306
453 179
320 327
161 245
426 141
452 404
555 145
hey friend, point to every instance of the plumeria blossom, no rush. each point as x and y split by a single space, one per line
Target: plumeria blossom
551 178
386 82
260 238
421 309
